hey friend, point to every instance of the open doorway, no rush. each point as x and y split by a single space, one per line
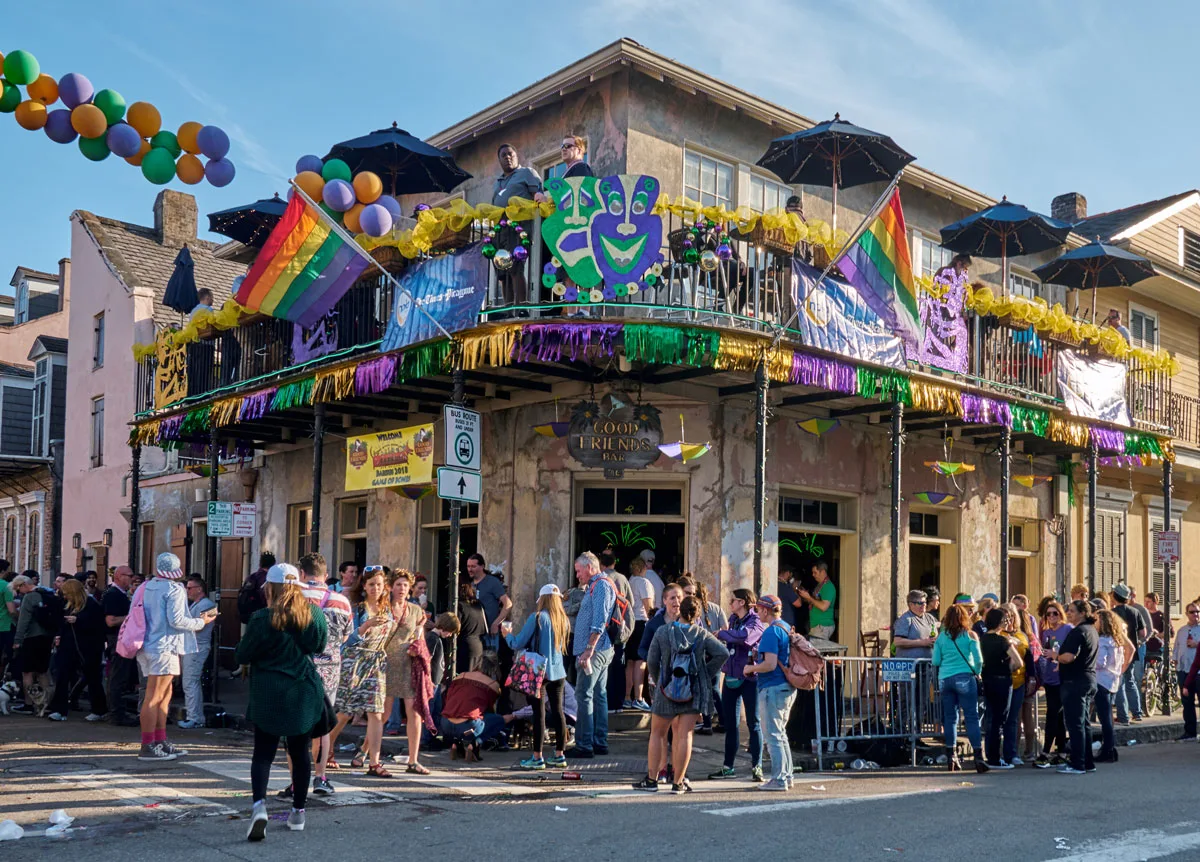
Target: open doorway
801 551
631 519
434 551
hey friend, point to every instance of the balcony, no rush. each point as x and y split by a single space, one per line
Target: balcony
749 292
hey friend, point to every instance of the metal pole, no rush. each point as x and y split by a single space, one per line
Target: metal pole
314 541
1167 682
1005 470
897 442
1093 458
760 471
210 564
458 397
135 505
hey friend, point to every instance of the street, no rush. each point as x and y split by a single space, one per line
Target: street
195 808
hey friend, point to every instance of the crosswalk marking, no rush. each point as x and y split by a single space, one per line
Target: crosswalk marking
1135 846
133 790
772 808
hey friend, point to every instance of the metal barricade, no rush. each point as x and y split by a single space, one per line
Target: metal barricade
871 698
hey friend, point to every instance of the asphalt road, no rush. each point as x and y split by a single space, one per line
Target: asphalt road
195 808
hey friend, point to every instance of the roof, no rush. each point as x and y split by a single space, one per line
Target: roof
50 344
26 272
1111 224
139 258
628 53
13 370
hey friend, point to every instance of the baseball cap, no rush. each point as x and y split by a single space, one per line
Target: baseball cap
283 573
549 590
647 555
167 565
992 596
772 602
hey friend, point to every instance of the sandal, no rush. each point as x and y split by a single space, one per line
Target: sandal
378 770
416 769
359 760
332 763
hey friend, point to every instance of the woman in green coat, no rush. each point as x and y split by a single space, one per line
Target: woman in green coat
287 698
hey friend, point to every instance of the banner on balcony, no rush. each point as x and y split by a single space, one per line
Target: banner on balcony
449 288
390 459
1093 388
836 317
171 376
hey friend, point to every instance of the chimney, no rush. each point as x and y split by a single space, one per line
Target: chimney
1071 207
175 217
64 283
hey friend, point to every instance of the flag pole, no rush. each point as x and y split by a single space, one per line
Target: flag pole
341 232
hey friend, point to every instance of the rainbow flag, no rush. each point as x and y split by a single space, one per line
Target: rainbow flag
880 268
303 269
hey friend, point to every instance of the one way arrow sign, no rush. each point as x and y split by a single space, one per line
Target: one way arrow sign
455 484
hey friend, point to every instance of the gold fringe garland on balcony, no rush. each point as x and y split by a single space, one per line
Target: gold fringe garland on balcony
1065 431
335 385
938 399
738 353
229 316
225 411
455 216
779 364
490 347
745 219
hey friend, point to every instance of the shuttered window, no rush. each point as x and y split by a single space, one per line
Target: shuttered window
1190 249
1143 326
1156 568
1110 549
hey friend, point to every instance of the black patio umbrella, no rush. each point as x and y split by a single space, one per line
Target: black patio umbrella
1096 265
406 164
836 154
180 294
1004 230
249 224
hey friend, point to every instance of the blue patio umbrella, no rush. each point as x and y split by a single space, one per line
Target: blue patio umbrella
1096 265
836 154
1004 230
406 164
180 294
249 224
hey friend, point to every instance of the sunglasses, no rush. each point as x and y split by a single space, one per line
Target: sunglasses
922 602
1052 613
567 146
1193 611
372 569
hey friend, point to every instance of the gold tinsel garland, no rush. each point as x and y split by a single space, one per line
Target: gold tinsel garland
738 353
489 347
334 385
936 399
1065 431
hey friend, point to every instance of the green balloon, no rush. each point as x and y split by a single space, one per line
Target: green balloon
21 67
165 140
335 169
95 149
10 97
112 104
158 166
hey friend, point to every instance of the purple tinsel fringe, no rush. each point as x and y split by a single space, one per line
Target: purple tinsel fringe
1108 439
375 376
168 429
548 342
1120 461
985 411
255 406
827 374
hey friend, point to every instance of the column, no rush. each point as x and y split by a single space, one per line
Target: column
1005 470
458 398
135 505
314 542
897 442
760 471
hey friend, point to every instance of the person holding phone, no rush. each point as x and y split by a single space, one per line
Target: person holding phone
1054 630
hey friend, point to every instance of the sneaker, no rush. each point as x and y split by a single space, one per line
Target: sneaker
756 774
91 716
258 822
295 821
322 787
576 753
1016 761
600 749
1187 737
647 783
1057 760
664 776
188 724
56 716
628 704
1003 764
1090 769
536 764
1043 762
21 709
791 782
1137 719
155 752
286 793
704 731
641 706
171 749
556 761
1068 769
682 787
775 785
723 772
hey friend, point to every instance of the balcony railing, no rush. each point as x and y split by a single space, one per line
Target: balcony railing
749 291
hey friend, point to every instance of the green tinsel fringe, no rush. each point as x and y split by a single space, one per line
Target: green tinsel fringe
432 358
703 345
1142 444
195 421
1067 467
295 394
660 345
884 385
1029 420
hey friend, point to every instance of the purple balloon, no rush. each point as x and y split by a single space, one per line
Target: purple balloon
390 204
75 90
219 172
213 142
339 195
58 126
375 219
309 163
124 140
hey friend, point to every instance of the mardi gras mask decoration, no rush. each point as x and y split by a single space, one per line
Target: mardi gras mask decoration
626 234
569 230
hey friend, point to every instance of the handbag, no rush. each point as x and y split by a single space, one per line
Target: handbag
978 677
327 721
529 667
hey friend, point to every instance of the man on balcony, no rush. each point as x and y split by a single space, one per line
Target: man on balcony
514 182
1114 320
204 302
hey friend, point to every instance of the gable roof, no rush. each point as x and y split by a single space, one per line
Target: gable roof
139 258
1125 222
48 344
36 274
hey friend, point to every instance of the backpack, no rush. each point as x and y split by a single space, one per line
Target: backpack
680 684
49 614
620 623
249 600
132 635
805 668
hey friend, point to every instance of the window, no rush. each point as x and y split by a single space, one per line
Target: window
352 528
766 195
621 500
810 510
10 539
98 431
469 511
41 406
33 542
558 169
1110 549
929 254
922 524
707 180
1023 285
1189 249
1016 535
299 530
98 341
1143 327
1156 568
146 553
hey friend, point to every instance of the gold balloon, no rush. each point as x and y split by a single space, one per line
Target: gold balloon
350 218
44 90
136 160
367 187
89 121
312 184
31 115
145 118
189 169
187 137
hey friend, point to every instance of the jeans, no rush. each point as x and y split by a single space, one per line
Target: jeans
395 719
961 692
299 749
1055 731
616 677
998 691
491 642
122 680
191 671
591 697
1077 702
484 728
774 707
731 701
1012 723
1128 696
1189 706
1104 711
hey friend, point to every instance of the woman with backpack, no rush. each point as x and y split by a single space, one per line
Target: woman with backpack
712 618
545 632
684 659
775 694
740 638
80 650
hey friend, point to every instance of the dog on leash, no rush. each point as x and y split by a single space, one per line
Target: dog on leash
8 693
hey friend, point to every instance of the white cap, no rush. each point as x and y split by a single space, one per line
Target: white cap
549 590
283 573
647 555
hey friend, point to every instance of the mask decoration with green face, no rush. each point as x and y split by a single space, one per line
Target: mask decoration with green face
626 234
568 230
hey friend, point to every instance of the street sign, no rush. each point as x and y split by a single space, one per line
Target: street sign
1168 546
232 520
453 484
462 437
897 669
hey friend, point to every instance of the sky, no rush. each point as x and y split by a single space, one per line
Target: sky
1023 98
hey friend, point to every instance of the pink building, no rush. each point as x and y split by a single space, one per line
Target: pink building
123 271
